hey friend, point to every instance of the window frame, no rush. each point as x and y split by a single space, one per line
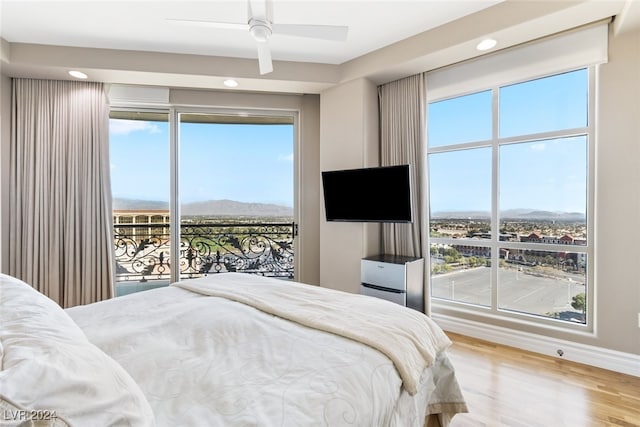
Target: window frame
495 244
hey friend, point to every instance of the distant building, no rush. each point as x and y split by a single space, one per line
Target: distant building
564 240
533 237
142 216
477 251
503 237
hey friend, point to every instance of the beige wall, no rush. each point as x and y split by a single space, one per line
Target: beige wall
618 197
348 139
308 190
617 201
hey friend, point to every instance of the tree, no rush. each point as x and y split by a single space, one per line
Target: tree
452 252
449 259
579 302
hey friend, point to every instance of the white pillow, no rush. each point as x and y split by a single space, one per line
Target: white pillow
49 369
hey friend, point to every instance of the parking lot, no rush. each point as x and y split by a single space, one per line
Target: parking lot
517 290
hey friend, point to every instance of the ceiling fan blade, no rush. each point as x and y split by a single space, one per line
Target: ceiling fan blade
210 24
264 57
324 32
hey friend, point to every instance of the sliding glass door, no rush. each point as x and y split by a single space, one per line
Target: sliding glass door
196 193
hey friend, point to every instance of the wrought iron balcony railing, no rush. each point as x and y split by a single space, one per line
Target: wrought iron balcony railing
143 251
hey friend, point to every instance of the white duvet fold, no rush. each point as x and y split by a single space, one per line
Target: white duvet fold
410 339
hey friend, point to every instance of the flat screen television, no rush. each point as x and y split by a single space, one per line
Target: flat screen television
378 194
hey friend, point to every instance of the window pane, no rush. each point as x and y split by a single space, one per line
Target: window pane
460 193
552 103
236 195
462 119
549 284
139 154
543 191
461 273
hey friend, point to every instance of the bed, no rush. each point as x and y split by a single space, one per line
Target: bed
229 349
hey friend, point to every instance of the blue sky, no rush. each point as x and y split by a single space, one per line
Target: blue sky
543 175
247 163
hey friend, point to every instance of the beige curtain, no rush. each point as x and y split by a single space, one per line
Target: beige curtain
402 133
60 198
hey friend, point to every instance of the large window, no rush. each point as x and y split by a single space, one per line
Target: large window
509 204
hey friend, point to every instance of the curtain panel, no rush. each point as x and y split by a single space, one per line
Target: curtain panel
402 109
60 200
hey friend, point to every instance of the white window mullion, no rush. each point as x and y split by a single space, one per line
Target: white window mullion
544 136
549 247
174 200
463 146
495 202
591 235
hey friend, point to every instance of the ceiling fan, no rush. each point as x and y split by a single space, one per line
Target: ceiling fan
261 26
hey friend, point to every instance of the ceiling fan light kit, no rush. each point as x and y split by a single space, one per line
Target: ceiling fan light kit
261 28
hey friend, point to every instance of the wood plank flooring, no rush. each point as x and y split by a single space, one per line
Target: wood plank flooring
505 386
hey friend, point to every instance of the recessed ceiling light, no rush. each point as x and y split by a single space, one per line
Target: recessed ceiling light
78 74
486 44
230 83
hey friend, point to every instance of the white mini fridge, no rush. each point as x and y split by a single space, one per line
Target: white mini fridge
394 278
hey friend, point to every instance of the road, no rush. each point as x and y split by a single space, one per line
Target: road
517 290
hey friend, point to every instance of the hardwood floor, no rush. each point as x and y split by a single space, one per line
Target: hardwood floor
504 386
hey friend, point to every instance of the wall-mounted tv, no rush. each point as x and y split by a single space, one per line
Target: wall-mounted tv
378 194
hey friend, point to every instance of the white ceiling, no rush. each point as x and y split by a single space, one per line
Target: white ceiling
142 25
131 41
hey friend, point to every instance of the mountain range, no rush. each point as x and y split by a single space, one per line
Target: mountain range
235 208
209 207
514 214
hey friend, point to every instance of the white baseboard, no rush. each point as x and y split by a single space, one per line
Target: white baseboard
612 360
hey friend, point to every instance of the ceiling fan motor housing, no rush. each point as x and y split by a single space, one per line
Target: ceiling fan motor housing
260 30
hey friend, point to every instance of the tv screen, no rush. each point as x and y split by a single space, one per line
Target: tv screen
379 194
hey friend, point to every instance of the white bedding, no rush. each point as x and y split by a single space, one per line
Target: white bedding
409 338
51 375
209 361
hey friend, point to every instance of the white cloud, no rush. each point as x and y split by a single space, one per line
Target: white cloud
125 127
286 157
538 147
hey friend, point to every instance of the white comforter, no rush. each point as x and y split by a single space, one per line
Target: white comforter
409 338
209 361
